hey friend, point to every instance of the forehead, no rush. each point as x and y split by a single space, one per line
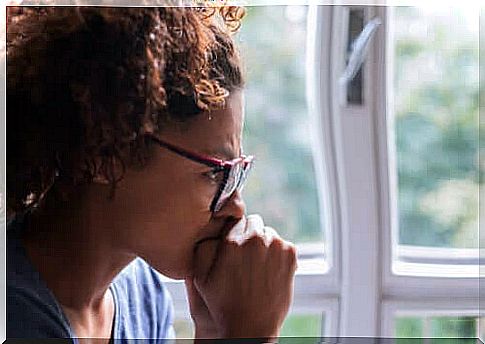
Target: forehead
217 133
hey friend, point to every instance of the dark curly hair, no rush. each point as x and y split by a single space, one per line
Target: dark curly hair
85 85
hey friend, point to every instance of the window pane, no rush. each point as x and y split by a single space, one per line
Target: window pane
436 125
303 325
409 327
453 327
282 186
436 327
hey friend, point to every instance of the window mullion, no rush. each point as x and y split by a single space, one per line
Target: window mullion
353 129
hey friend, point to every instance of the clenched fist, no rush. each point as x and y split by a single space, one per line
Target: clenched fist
243 283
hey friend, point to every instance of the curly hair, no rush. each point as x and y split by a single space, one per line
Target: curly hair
85 85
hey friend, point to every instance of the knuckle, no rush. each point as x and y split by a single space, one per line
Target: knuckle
294 262
231 246
277 244
292 255
256 241
291 249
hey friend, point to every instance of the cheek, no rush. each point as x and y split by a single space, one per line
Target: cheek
177 196
188 202
171 236
167 214
192 197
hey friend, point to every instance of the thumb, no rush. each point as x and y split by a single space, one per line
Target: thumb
195 300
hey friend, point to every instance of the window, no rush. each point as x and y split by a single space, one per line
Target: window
433 114
435 110
403 138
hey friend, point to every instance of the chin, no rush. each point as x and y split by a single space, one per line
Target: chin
172 272
176 275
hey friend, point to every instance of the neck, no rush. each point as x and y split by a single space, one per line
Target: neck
76 256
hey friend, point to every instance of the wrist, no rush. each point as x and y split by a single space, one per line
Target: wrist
206 335
206 332
252 335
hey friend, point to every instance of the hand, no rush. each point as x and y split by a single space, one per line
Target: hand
205 326
247 291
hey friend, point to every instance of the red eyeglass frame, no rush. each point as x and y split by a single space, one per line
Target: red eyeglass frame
222 165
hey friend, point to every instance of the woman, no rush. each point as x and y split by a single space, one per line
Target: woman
124 162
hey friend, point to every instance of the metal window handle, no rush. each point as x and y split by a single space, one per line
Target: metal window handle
360 48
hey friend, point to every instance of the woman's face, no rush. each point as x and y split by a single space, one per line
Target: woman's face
163 210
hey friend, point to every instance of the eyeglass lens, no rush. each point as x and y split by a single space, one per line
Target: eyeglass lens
235 180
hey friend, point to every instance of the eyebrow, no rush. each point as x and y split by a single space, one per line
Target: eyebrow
223 152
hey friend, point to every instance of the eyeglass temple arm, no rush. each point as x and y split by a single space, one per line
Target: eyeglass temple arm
211 162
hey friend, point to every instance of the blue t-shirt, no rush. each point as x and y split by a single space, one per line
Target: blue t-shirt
143 305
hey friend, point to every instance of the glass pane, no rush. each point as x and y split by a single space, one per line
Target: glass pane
409 327
303 325
436 327
453 327
436 125
354 87
282 186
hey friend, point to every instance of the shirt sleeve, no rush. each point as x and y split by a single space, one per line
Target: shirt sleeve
169 329
165 308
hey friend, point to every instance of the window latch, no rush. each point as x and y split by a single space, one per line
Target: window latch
359 49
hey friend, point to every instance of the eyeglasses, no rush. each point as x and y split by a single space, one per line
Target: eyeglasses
234 171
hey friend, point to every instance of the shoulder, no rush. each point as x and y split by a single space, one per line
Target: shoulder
29 315
32 311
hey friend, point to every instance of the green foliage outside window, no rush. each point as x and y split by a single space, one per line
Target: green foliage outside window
436 127
282 187
437 328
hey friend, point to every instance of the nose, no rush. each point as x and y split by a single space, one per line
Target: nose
234 207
